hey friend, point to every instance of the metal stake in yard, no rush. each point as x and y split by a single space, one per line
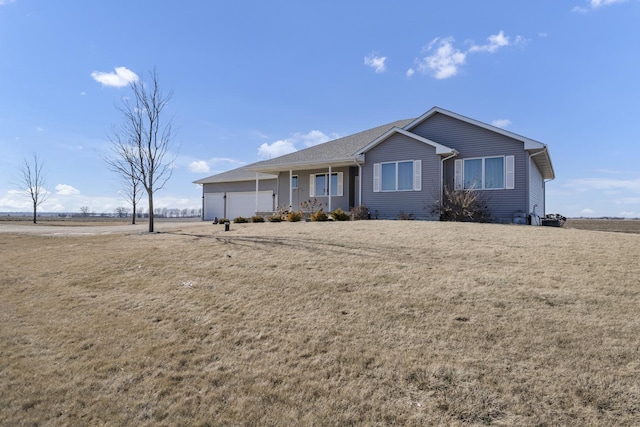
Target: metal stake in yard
226 226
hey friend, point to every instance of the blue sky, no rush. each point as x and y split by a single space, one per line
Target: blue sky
255 79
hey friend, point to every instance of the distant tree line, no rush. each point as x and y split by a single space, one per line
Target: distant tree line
125 212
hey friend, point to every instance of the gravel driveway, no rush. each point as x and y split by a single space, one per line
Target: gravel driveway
88 229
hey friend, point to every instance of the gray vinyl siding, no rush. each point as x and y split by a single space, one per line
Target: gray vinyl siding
225 187
301 194
387 205
473 141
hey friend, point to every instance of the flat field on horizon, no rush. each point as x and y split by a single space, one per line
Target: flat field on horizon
352 323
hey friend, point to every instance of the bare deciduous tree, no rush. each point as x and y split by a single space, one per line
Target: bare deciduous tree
121 163
33 181
141 144
84 210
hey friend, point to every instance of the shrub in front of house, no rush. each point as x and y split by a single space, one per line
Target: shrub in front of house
274 218
339 215
257 218
294 216
222 220
319 216
359 213
240 220
463 205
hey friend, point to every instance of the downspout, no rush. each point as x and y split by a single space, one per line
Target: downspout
455 153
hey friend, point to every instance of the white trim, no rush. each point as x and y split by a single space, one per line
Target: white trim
459 185
291 188
416 185
329 189
359 185
529 144
509 172
440 149
417 175
376 177
458 167
339 189
312 185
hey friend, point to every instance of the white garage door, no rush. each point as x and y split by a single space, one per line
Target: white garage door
213 206
244 203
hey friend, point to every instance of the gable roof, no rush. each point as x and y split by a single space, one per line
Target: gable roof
538 151
348 150
440 149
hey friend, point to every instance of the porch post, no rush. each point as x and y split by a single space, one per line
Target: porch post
290 189
329 188
257 188
360 185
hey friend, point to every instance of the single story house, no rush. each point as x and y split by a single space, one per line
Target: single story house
400 167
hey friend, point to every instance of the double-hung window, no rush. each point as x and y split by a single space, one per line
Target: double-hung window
321 182
294 182
397 176
485 173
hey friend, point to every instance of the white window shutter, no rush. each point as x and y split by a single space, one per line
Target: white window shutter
340 184
376 177
458 178
510 181
312 185
417 175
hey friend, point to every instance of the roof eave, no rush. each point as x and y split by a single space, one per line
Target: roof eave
311 164
440 149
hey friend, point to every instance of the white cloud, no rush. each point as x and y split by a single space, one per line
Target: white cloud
378 63
445 60
4 2
495 42
587 211
291 144
597 3
66 190
607 185
501 123
278 148
199 166
122 77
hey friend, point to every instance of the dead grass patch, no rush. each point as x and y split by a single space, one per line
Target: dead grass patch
368 323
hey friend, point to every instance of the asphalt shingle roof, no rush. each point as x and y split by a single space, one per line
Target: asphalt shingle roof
337 149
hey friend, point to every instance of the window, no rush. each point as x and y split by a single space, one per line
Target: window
294 182
319 184
486 173
397 176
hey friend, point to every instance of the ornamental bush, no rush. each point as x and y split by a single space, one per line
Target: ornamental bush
339 215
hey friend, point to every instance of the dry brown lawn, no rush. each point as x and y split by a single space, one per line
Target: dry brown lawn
355 323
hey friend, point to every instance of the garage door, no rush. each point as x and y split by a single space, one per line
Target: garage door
213 206
244 203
